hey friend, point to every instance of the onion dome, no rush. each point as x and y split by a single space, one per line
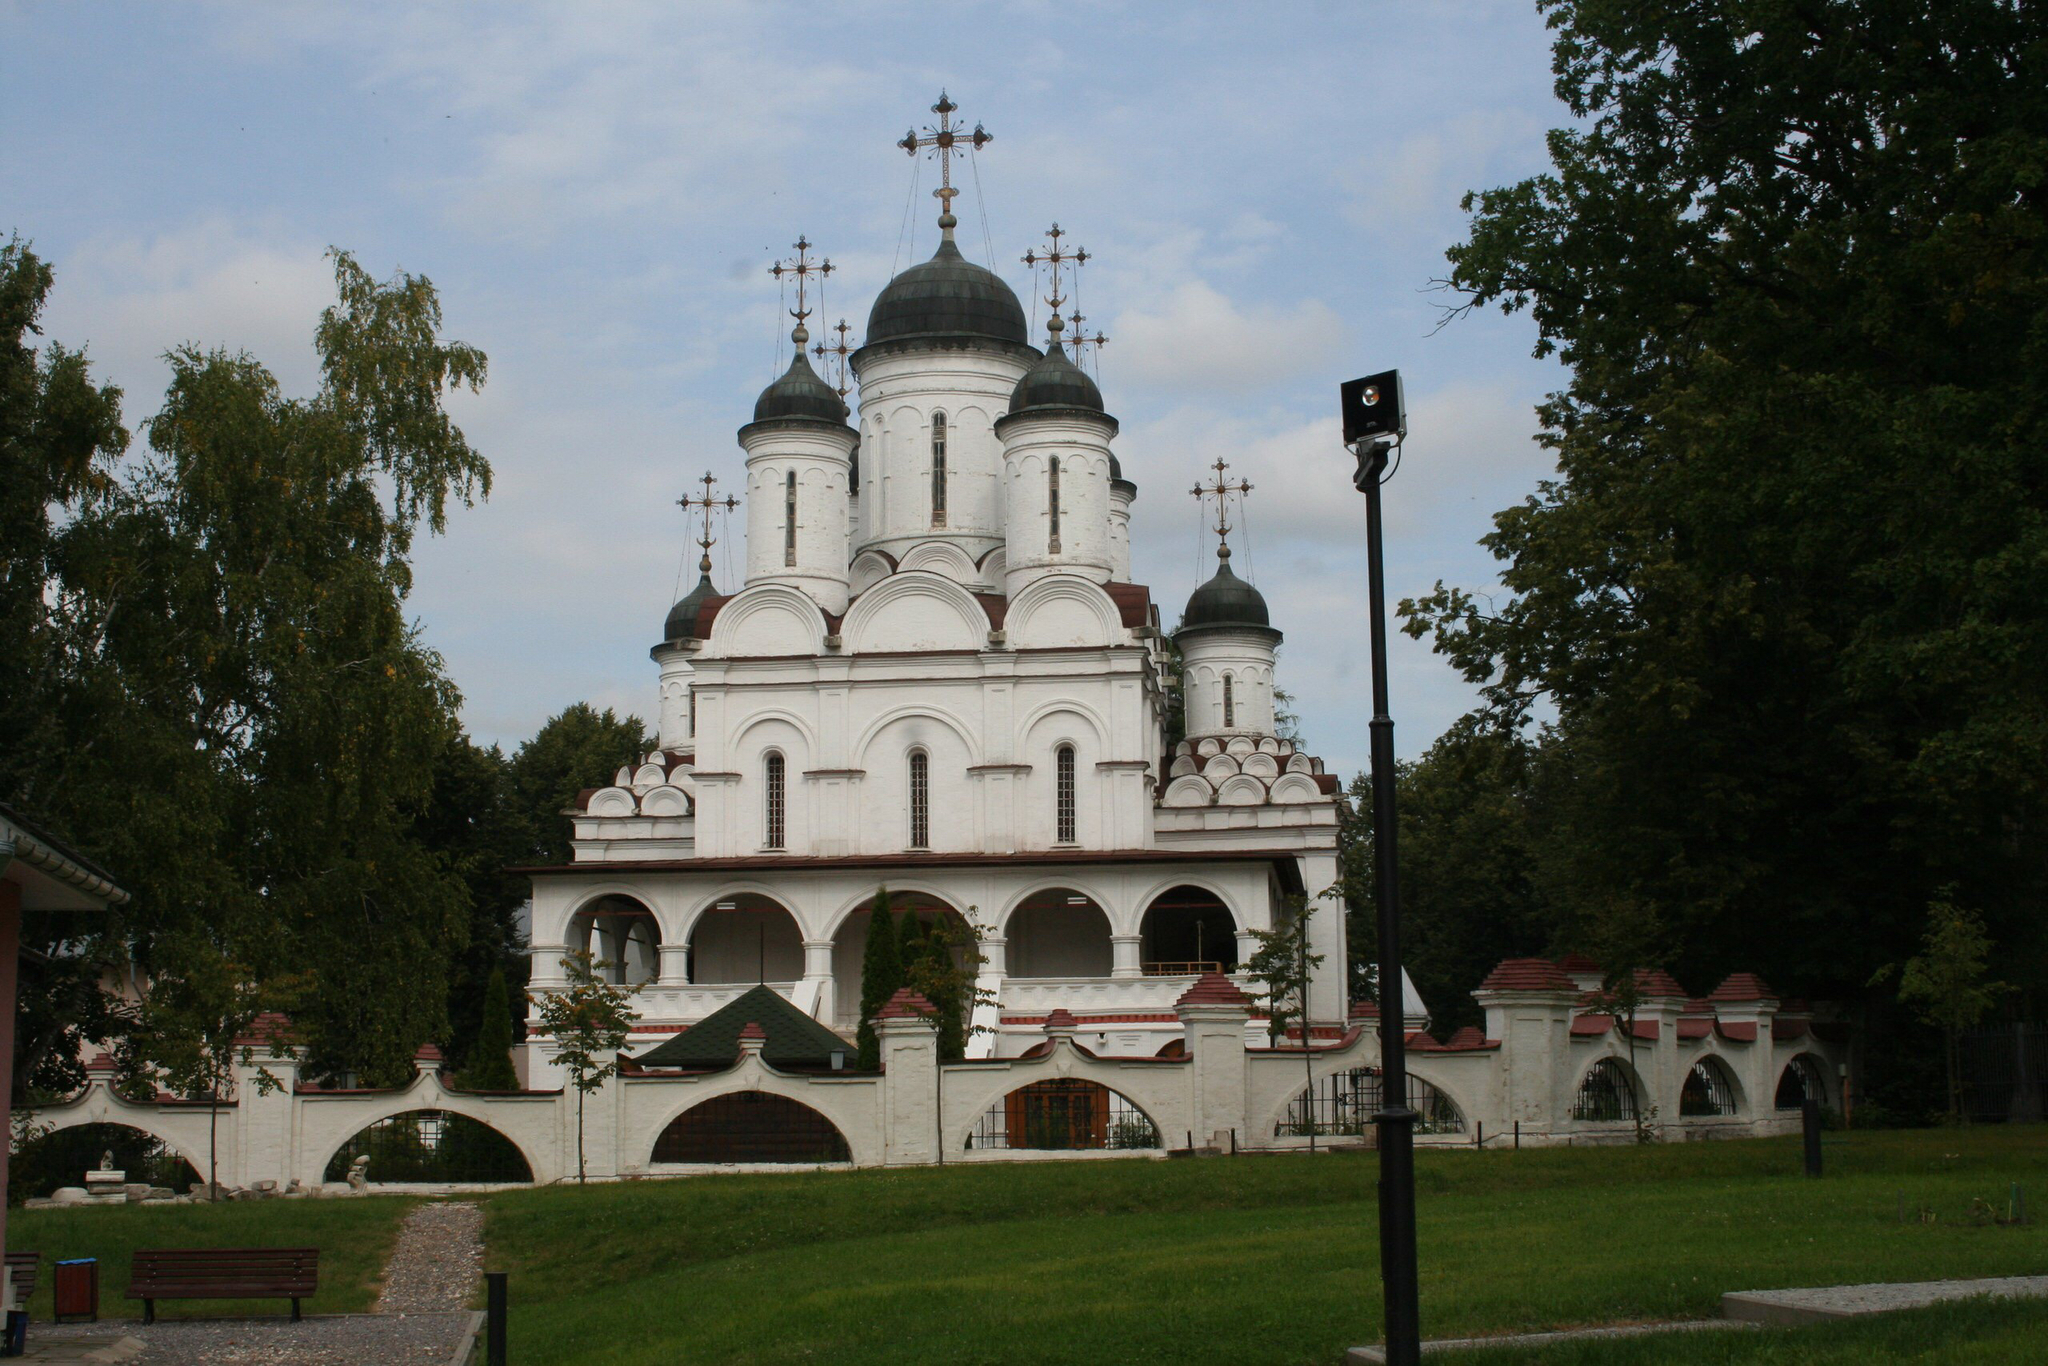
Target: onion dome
1226 601
682 618
800 393
1056 382
947 299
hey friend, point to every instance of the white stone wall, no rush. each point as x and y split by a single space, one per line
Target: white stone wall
819 455
1080 445
1247 656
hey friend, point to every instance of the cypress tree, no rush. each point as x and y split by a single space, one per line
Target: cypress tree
881 973
945 990
490 1068
910 946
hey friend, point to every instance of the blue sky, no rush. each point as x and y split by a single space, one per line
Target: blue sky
599 189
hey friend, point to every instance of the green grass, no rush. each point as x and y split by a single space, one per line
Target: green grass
1973 1333
1249 1261
355 1238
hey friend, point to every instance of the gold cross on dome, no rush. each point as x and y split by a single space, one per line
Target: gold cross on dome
803 268
1052 257
1221 490
1081 338
840 350
945 141
707 504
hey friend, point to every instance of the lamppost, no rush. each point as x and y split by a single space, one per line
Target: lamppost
1374 426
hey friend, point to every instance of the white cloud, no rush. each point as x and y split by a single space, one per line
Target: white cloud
1198 340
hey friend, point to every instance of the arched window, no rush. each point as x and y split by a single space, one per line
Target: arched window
1605 1095
789 519
1229 703
1064 1114
920 800
1346 1102
1052 503
1707 1090
776 809
938 469
1063 766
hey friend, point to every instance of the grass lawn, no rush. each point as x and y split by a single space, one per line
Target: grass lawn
355 1238
1252 1261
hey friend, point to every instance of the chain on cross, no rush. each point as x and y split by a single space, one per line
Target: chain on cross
707 504
1221 490
945 141
803 268
839 350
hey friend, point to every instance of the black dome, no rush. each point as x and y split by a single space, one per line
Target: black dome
1056 382
1225 600
948 296
682 618
800 393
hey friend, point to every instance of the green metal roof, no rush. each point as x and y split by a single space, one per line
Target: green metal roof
947 297
795 1040
800 393
1056 382
1225 600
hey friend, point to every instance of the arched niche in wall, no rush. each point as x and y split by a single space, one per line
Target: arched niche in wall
914 611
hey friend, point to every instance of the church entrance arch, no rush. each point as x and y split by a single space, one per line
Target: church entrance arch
1188 930
432 1146
849 943
746 938
621 932
62 1157
751 1126
1058 932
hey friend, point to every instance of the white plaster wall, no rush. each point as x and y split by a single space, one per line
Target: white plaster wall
1248 656
819 454
1081 446
673 728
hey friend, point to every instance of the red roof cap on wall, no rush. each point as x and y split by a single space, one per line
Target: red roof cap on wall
906 1004
752 1032
1364 1010
1578 962
1588 1026
1213 989
1061 1018
268 1027
427 1053
1527 974
1657 982
1743 986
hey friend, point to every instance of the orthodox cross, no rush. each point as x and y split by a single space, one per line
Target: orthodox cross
841 351
1221 489
707 505
1081 338
945 140
1053 257
803 267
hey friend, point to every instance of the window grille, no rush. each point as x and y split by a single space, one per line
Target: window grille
1065 1114
1229 703
1064 766
432 1145
789 520
938 469
1605 1094
776 807
1345 1104
920 800
1052 503
1800 1080
1706 1091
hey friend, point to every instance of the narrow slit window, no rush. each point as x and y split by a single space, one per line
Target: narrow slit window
789 520
776 807
1063 764
690 707
1229 703
920 800
938 469
1052 503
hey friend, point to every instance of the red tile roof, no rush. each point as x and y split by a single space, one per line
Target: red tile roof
1213 989
906 1004
428 1053
1527 974
1783 1030
101 1062
1657 982
1743 986
1695 1028
1469 1039
1698 1005
1579 963
266 1028
1591 1026
1420 1042
752 1032
1061 1018
1743 1032
1364 1010
1173 1048
1647 1029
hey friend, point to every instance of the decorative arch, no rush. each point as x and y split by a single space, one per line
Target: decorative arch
737 743
849 939
940 557
1344 1102
870 567
1709 1090
767 619
750 1126
913 610
1187 929
1062 610
1241 789
432 1145
612 801
1057 931
1806 1074
922 711
621 930
744 937
1064 1114
1189 790
1608 1093
1097 732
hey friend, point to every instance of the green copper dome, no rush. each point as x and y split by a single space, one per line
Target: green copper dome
682 618
947 298
800 393
1226 600
1056 382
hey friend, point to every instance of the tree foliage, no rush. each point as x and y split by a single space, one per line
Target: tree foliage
587 1021
881 973
1781 601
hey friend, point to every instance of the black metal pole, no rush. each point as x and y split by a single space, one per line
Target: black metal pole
494 1318
1395 1120
1809 1132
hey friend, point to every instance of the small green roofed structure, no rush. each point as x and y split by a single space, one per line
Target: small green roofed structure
796 1042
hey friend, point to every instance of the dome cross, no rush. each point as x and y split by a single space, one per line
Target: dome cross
1054 256
1221 490
1080 337
803 268
840 350
706 503
945 142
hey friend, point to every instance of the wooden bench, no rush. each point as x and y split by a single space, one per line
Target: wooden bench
22 1268
223 1273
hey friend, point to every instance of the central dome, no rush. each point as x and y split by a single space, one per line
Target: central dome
945 298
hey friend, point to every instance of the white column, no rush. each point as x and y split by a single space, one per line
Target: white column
1125 955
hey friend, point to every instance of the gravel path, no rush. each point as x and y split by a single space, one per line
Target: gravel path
439 1259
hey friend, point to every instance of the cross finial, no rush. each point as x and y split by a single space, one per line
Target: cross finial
840 350
945 141
1221 490
1054 257
1081 338
706 503
803 267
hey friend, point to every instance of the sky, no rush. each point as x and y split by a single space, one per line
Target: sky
597 191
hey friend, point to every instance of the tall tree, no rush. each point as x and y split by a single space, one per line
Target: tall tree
587 1022
490 1067
1782 596
881 973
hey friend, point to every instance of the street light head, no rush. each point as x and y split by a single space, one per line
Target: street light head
1373 410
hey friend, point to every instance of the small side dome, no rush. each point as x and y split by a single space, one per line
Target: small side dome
800 393
682 618
1056 382
1225 600
947 298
